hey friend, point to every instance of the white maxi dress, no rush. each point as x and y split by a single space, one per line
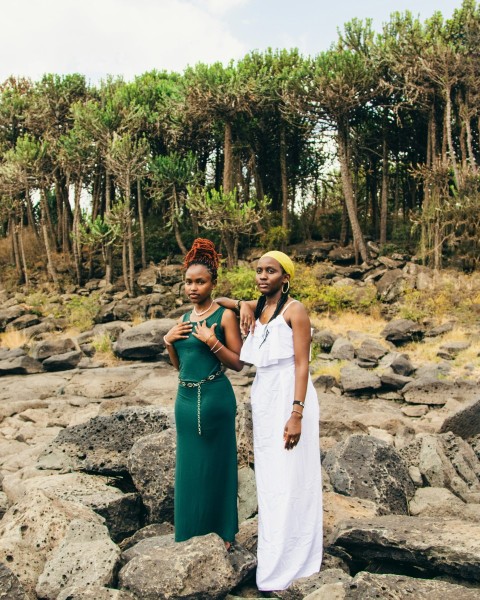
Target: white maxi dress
289 486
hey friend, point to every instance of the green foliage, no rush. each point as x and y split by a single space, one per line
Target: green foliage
80 311
275 238
103 343
237 283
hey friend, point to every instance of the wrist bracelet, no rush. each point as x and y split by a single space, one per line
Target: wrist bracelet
298 412
217 342
237 304
218 349
206 339
302 404
165 341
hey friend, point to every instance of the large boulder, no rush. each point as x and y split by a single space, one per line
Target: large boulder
199 568
144 340
369 586
391 285
440 502
355 380
151 464
63 362
465 421
31 529
123 512
370 352
20 365
86 556
23 322
428 390
48 348
439 546
446 461
369 468
342 349
402 331
102 444
7 315
10 586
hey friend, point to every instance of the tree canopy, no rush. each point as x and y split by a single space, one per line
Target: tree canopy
376 138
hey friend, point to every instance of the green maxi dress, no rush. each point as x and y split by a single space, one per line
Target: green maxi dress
206 462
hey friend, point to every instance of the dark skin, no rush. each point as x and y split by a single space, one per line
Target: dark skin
270 277
199 286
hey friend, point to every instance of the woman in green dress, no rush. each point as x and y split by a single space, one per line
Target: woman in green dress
203 340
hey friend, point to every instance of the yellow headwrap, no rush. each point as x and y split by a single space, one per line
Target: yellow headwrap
284 260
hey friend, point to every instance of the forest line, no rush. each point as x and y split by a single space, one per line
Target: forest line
376 139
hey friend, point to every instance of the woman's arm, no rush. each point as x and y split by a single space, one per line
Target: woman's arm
300 323
246 310
228 353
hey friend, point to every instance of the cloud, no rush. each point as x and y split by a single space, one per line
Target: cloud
118 37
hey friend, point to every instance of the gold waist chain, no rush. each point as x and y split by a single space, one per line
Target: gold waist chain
198 385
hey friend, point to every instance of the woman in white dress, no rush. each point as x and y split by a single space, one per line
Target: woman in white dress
285 415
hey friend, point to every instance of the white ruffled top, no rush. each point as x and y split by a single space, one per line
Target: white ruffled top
277 338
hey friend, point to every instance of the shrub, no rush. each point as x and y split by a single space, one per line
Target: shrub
237 283
80 311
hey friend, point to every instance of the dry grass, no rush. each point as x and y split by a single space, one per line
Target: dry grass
330 368
342 323
13 339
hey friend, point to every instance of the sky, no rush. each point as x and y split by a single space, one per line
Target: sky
128 37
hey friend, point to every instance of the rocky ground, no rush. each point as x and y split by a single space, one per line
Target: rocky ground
87 457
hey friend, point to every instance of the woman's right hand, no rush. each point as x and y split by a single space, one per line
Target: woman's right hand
180 331
247 318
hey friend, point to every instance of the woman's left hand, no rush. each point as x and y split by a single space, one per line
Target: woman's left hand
292 431
204 333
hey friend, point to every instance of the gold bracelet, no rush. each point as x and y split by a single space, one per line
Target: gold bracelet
217 342
298 412
206 339
218 349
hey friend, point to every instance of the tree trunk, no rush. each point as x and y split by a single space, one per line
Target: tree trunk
131 260
384 198
344 226
46 236
448 124
77 248
343 148
30 217
176 228
227 159
141 224
283 176
16 252
22 254
108 249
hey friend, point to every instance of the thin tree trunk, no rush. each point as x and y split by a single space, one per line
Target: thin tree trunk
131 260
30 217
141 224
348 190
283 176
227 159
384 198
344 226
448 124
108 249
176 228
46 240
16 253
77 248
22 254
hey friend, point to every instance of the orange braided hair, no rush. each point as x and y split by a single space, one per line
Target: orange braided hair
203 252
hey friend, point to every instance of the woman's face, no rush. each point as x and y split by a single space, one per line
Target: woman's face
198 283
270 276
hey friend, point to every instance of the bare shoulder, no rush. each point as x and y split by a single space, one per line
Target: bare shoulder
297 313
229 317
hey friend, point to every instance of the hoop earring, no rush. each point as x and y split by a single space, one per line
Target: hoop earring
285 291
